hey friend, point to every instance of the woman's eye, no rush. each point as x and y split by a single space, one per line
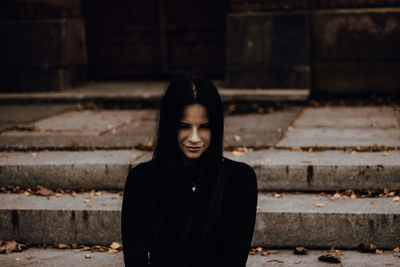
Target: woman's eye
205 126
183 126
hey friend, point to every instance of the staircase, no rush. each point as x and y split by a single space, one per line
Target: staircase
305 160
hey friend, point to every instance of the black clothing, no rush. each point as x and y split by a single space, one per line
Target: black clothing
227 242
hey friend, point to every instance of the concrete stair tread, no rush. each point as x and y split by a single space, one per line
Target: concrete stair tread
276 169
289 221
66 257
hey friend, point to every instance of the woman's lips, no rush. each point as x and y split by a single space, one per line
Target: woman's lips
193 148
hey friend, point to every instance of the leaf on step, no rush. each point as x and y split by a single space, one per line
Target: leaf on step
25 127
268 252
43 191
116 245
332 256
396 249
275 260
11 246
319 205
367 249
63 246
88 256
300 251
112 251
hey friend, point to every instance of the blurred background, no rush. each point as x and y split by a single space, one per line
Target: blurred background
327 46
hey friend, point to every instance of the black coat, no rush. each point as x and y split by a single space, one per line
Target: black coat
226 244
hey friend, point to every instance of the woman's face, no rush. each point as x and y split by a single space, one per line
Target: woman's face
194 133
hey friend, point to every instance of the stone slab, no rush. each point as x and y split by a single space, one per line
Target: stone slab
276 170
347 35
356 77
291 221
295 220
124 129
349 117
12 115
41 44
73 170
350 258
258 130
64 219
340 138
150 92
280 170
268 50
68 258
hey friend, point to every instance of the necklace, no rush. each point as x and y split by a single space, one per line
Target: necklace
194 188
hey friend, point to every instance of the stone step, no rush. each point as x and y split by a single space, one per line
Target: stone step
290 221
277 170
66 257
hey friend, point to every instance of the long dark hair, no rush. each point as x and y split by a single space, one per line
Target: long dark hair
167 158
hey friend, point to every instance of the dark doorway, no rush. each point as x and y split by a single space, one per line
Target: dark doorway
155 38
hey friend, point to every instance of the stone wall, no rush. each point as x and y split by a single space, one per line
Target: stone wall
42 46
330 46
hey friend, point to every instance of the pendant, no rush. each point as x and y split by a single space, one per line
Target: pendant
194 188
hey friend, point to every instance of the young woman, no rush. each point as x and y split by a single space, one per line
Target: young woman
189 206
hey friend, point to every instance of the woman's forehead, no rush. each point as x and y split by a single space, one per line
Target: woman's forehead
194 113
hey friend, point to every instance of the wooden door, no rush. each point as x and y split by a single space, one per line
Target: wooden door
155 38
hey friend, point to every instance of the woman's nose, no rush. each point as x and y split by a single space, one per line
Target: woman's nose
194 137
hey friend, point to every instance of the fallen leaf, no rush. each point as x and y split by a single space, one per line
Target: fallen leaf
44 191
237 153
396 199
259 249
17 259
319 205
11 246
268 252
300 251
88 256
275 260
331 256
112 251
298 262
26 127
116 245
316 197
63 246
29 257
26 193
379 251
396 249
86 200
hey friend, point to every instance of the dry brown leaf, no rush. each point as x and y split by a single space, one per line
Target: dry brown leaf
44 191
88 256
112 251
26 193
319 205
379 251
63 246
298 262
11 246
29 257
332 256
300 251
396 249
396 199
259 249
275 260
237 153
116 245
